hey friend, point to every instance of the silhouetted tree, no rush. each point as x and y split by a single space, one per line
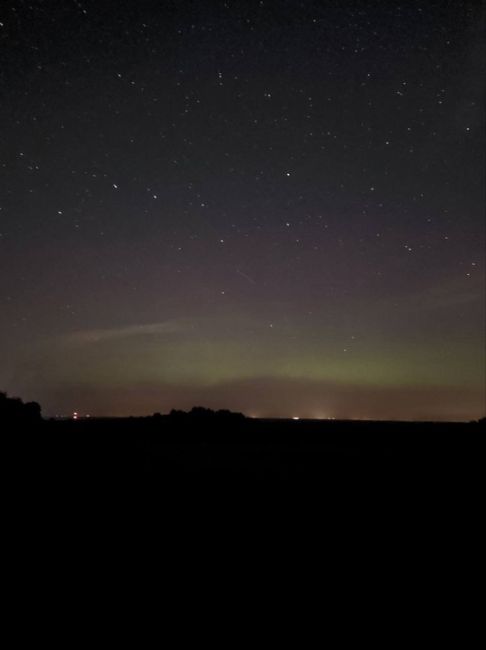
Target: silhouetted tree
200 411
175 413
13 409
205 413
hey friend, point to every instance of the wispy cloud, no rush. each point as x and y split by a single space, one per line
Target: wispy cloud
206 327
117 333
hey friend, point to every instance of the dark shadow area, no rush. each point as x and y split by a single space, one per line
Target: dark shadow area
187 453
191 487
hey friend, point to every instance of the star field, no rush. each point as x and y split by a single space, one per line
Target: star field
273 207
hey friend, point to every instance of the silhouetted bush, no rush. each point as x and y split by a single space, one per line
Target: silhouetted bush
13 409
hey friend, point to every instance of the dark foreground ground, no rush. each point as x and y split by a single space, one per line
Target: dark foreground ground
142 456
348 510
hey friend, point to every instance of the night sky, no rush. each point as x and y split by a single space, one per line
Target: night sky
273 207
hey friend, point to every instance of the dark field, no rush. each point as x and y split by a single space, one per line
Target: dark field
340 498
137 455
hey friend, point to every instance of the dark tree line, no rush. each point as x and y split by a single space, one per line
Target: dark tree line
13 409
199 412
